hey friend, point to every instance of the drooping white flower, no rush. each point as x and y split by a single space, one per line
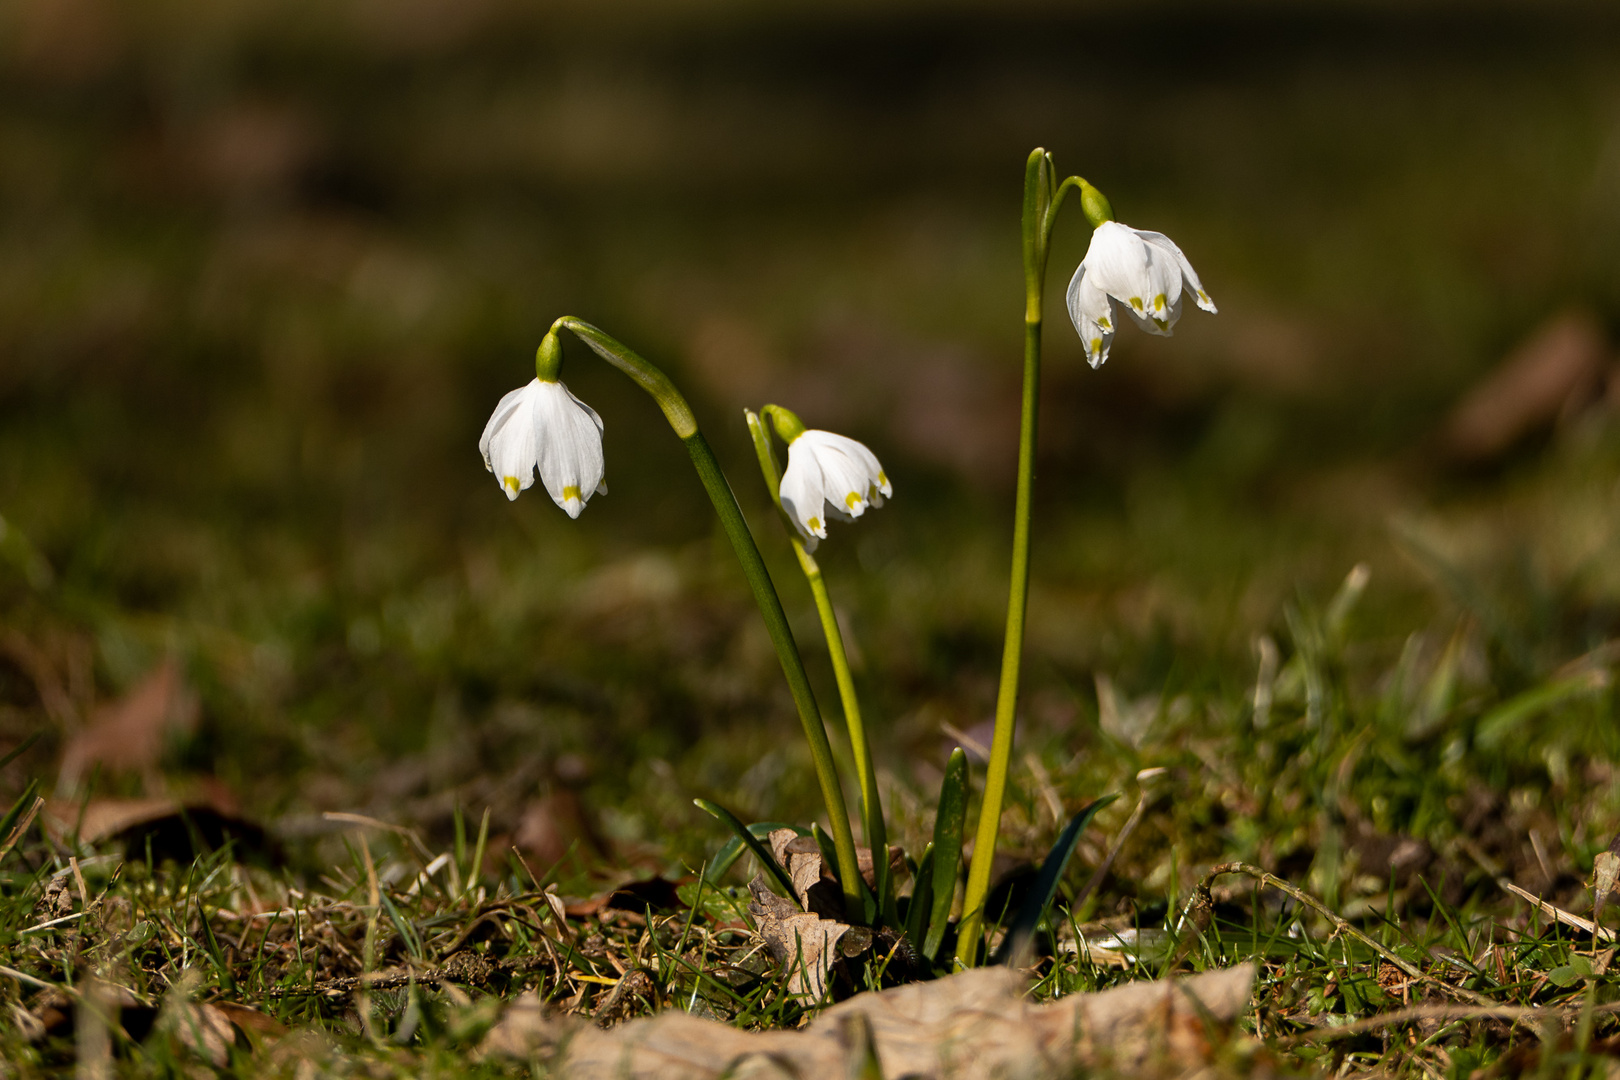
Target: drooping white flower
1144 272
543 427
826 475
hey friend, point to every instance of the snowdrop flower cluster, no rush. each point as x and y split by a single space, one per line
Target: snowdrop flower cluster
543 428
826 474
1143 272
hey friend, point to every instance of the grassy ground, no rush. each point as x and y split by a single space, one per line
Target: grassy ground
262 278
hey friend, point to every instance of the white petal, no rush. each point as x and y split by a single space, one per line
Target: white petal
1093 316
568 436
801 492
845 481
1160 319
503 412
852 477
508 443
1120 264
1189 277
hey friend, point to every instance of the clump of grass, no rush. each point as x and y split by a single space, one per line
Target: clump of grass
1388 800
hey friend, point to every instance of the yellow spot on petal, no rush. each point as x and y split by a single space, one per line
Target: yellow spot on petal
1105 324
815 524
1162 324
883 478
1096 344
1136 302
570 492
1204 296
511 482
852 500
1158 302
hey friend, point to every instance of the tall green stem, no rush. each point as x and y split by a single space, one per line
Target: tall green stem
860 745
1041 203
680 417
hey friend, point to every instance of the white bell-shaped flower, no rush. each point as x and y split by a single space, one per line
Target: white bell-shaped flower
1144 272
829 475
543 427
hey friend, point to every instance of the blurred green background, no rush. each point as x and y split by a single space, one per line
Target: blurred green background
267 265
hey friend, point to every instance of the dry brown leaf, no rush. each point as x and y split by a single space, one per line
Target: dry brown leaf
525 1030
169 825
205 1030
657 893
129 734
974 1024
553 824
1605 878
805 944
1558 367
813 883
251 1020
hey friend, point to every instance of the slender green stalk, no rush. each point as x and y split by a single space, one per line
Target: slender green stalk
680 417
877 837
1042 199
860 745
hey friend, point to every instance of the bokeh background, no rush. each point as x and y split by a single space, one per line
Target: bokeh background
266 266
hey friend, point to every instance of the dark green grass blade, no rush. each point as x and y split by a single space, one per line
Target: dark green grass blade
24 801
922 899
1015 946
732 849
948 822
751 842
19 750
216 955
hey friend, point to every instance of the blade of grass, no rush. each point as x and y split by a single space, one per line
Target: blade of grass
948 822
19 750
19 817
476 869
732 849
922 899
758 850
1016 946
227 982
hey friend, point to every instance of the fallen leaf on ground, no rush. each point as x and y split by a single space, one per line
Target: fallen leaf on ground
804 943
814 887
174 829
205 1030
1560 366
129 734
658 893
554 824
251 1020
973 1024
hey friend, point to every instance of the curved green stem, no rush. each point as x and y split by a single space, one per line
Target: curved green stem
860 745
1041 202
680 417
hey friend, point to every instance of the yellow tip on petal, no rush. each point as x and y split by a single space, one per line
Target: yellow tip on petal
1158 302
852 500
570 492
1105 324
511 484
814 523
1136 302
